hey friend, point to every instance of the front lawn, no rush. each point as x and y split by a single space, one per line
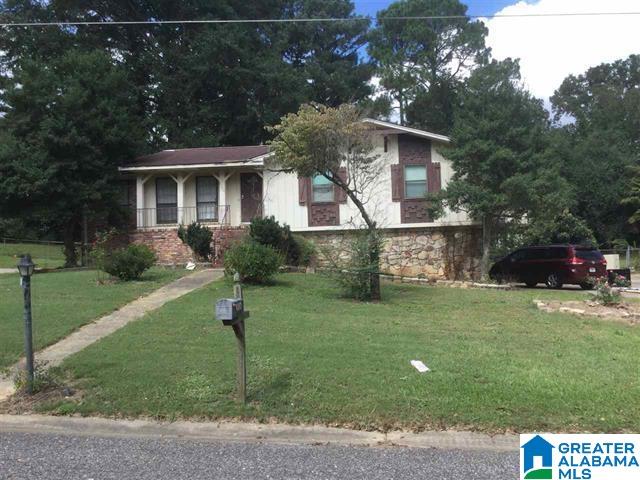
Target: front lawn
497 363
62 302
43 255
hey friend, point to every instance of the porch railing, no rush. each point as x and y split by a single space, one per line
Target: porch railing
167 216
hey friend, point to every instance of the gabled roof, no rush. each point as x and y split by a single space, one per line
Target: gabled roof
395 128
199 156
254 154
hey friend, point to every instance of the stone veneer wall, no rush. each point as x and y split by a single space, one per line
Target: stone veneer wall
170 249
444 253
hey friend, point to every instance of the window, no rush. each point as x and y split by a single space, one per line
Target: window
589 254
207 198
322 189
386 144
415 181
166 200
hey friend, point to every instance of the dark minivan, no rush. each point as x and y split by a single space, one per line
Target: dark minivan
554 265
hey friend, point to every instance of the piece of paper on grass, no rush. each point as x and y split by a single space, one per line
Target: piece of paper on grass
421 367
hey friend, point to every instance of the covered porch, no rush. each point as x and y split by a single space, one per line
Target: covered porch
177 187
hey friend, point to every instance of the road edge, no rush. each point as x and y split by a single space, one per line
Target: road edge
254 433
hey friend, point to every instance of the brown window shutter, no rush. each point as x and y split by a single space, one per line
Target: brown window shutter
340 194
396 183
303 190
434 179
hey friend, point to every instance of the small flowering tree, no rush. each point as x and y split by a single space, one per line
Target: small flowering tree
320 140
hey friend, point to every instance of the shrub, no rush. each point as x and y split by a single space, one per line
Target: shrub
295 250
606 294
198 238
620 282
101 250
254 262
354 276
129 263
43 379
306 251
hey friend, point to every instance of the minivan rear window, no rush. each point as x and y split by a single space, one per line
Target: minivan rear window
589 255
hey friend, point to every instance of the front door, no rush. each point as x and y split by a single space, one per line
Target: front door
251 196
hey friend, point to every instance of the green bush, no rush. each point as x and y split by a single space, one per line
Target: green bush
354 276
306 251
198 238
254 262
294 249
605 293
129 263
268 231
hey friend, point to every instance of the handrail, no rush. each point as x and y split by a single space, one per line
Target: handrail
168 216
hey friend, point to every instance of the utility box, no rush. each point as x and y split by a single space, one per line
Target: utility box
230 310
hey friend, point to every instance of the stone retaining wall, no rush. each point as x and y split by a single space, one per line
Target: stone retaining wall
445 253
171 251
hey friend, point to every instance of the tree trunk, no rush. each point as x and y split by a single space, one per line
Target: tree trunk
372 236
374 262
70 253
487 239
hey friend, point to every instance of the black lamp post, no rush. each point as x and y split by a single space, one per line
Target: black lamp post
26 267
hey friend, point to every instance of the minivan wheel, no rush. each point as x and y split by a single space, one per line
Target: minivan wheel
553 281
586 286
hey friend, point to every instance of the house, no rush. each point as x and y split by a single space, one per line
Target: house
225 187
539 448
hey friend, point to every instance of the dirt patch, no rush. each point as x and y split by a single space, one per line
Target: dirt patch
628 313
57 392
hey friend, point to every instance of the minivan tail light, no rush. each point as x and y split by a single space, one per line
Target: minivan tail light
576 261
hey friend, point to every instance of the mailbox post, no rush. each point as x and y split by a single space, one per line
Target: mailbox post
231 312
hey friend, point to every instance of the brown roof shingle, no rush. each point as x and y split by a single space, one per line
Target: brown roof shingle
199 156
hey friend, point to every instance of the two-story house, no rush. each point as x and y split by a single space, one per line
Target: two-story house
225 187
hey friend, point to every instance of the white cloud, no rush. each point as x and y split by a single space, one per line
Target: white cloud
551 48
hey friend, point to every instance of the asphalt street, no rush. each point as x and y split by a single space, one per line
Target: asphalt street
35 456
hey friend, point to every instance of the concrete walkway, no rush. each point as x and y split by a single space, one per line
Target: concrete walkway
254 432
8 270
92 332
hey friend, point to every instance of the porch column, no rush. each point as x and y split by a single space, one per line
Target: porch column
180 180
223 212
140 207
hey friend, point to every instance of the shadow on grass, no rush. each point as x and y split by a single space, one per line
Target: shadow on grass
275 391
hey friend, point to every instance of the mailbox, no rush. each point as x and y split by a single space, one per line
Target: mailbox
230 310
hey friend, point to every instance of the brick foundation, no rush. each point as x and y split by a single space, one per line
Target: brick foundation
443 253
171 251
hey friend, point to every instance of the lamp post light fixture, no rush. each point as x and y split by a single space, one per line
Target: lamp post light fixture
26 267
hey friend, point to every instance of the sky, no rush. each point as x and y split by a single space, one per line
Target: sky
550 49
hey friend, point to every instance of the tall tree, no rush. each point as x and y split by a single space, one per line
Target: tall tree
65 126
420 62
601 109
220 84
499 148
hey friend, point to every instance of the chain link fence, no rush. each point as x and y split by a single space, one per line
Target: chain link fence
620 258
45 253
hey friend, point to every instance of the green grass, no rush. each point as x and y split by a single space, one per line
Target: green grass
497 362
43 255
62 302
